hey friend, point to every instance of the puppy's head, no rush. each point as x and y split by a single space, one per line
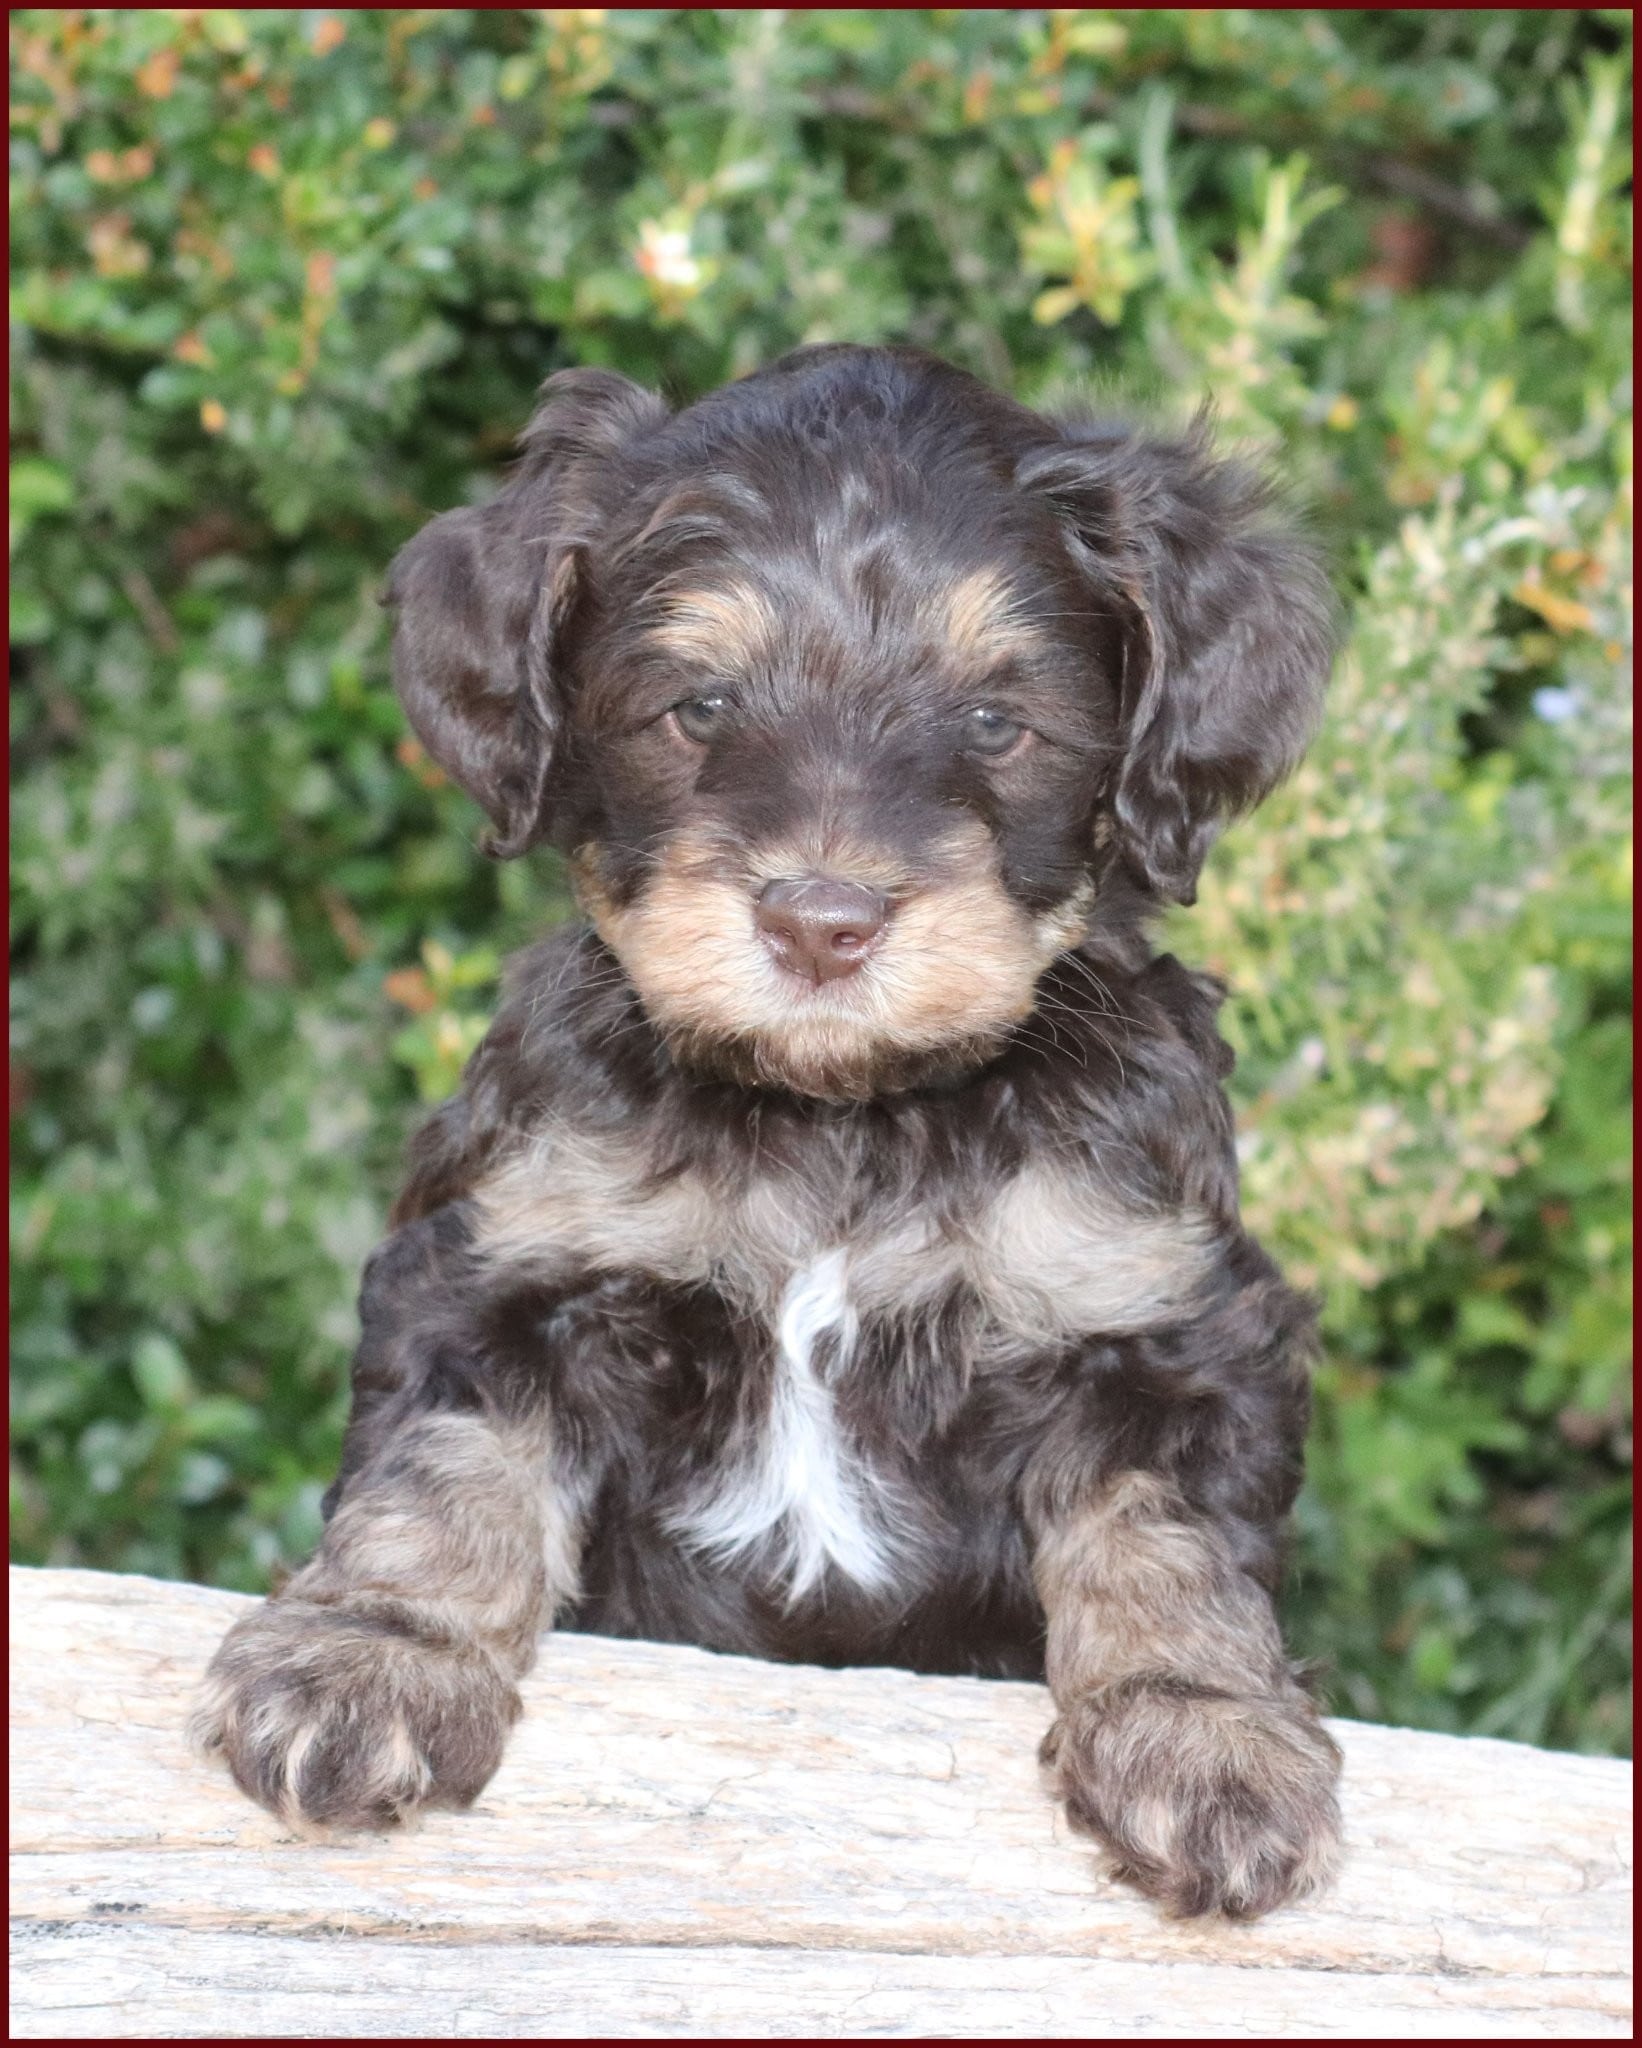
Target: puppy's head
853 692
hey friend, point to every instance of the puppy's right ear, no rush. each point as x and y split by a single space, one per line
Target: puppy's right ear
480 598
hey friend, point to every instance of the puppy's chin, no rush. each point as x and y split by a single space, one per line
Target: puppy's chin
831 1065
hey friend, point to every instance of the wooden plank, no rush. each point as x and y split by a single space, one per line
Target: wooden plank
81 1983
681 1843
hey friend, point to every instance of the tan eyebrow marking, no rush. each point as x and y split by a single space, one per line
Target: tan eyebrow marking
979 615
728 626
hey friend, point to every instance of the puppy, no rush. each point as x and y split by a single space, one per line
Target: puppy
833 1252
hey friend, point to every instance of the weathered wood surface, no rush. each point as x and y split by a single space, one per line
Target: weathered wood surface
689 1845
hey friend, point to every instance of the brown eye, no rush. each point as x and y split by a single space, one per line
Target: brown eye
701 718
989 732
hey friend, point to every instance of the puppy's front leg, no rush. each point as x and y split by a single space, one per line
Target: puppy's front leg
1183 1740
381 1678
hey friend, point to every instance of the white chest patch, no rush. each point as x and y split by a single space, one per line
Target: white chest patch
800 1488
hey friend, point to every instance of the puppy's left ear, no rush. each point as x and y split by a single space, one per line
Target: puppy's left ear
1229 633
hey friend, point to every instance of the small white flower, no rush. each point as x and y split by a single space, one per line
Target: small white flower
664 254
1555 706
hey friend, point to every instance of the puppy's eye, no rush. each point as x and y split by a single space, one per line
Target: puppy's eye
701 718
989 732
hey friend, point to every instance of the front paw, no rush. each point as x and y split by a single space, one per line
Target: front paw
1208 1802
353 1720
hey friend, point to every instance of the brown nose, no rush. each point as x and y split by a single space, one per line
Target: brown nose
818 928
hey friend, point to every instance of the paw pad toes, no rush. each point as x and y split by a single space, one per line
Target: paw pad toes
1206 1805
331 1721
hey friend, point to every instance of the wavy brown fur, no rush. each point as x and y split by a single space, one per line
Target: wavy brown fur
909 1319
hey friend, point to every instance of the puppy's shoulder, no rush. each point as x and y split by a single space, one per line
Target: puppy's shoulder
563 1009
1145 1087
1190 1000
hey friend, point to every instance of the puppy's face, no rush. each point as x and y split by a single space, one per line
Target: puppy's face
833 702
835 777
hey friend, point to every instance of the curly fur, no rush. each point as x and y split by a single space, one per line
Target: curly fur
906 1316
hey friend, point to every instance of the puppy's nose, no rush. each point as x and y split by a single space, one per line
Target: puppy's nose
819 928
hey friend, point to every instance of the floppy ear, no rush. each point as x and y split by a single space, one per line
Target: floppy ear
481 596
1229 633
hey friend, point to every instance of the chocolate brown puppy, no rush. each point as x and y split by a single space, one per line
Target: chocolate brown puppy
833 1252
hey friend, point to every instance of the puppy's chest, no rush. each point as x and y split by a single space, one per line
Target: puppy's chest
867 1322
795 1485
1046 1252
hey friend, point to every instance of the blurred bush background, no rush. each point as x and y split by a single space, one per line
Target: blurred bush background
284 284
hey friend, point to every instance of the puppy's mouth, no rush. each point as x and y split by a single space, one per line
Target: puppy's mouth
825 978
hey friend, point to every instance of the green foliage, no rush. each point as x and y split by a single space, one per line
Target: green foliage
284 284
